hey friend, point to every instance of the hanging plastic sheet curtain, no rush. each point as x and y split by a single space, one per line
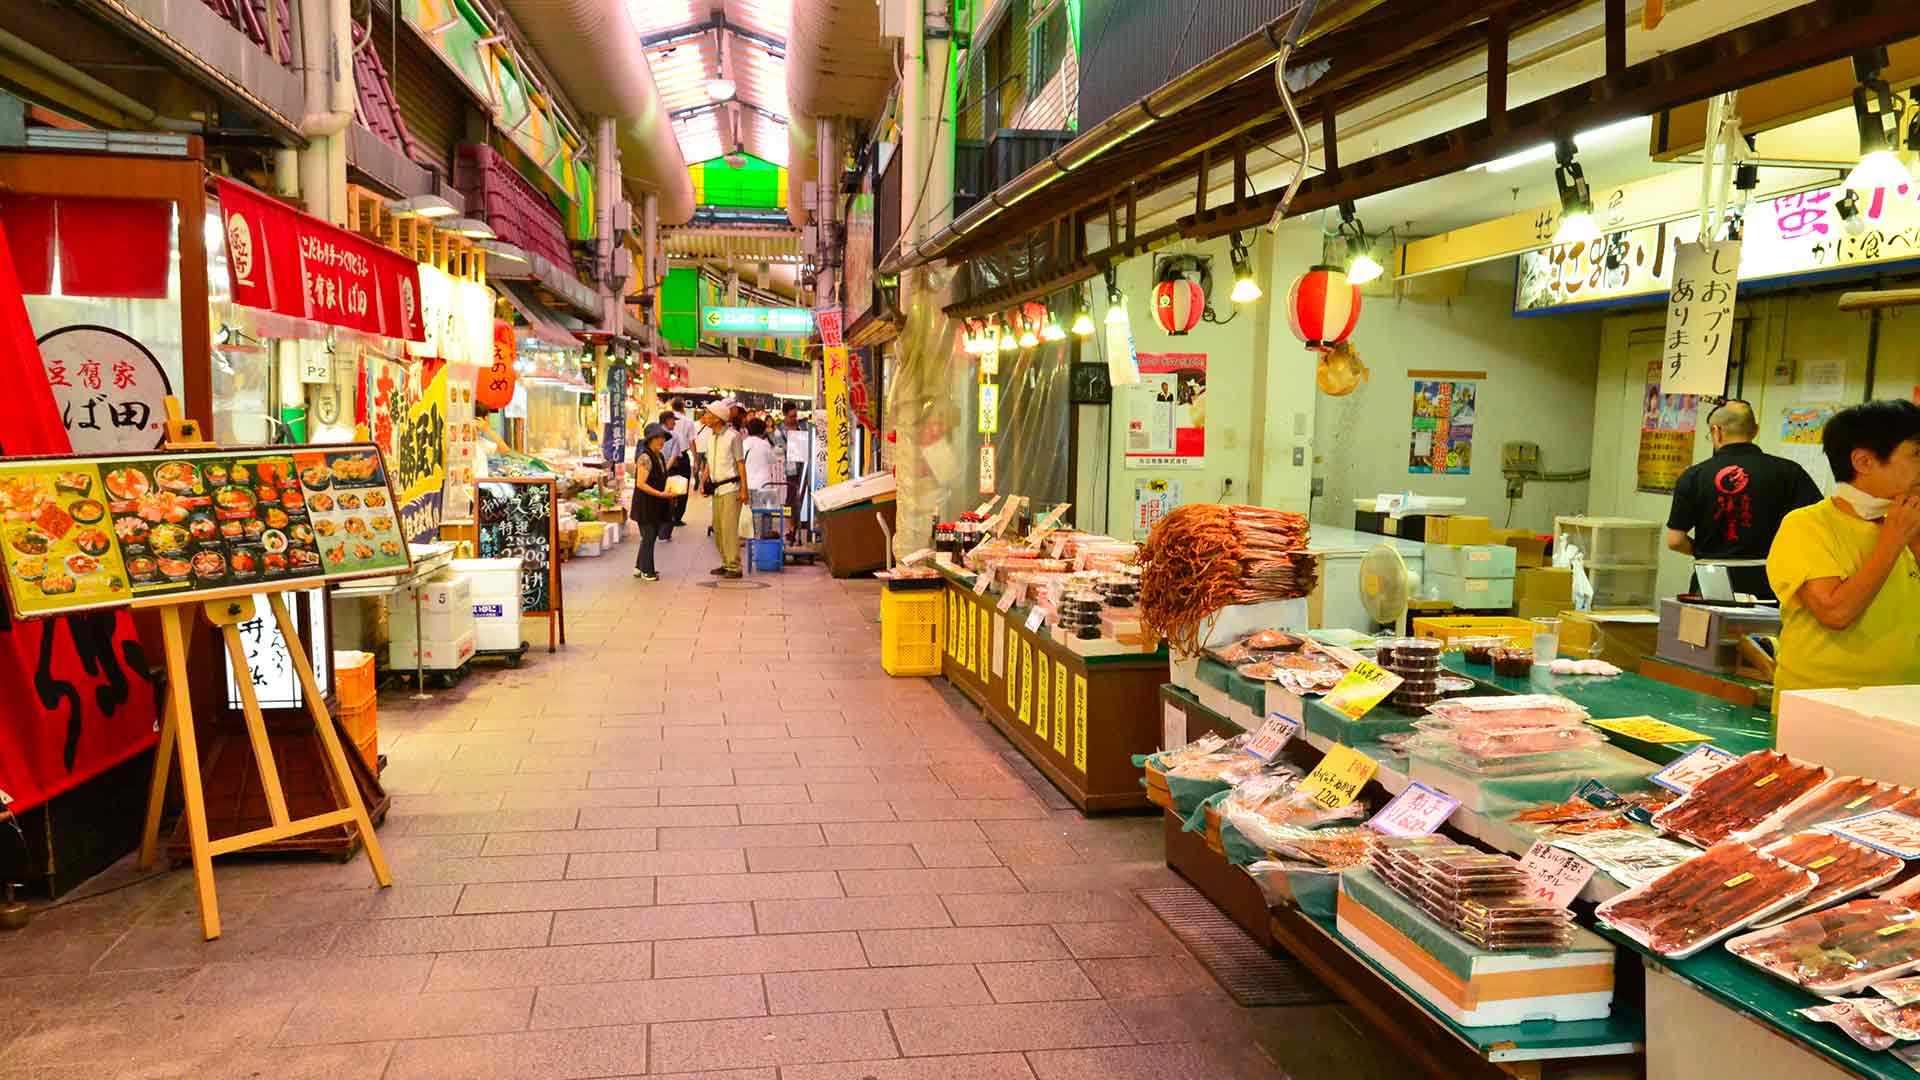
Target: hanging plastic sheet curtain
933 408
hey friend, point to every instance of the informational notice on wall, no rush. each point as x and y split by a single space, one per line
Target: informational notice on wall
1152 500
1802 430
1667 423
1699 332
1166 412
1442 428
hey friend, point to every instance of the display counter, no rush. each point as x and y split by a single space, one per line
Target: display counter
1079 718
1716 999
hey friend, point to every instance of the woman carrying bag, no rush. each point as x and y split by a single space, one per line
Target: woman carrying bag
652 503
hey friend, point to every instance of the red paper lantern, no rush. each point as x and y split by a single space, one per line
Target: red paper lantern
1178 304
1322 307
493 387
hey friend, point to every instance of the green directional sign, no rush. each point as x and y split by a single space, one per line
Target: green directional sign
756 321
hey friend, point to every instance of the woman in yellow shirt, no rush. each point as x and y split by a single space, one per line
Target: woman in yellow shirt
1847 569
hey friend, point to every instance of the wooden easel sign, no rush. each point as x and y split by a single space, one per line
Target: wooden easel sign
518 518
198 533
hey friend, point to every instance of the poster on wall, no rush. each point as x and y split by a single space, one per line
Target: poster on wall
1441 434
110 390
1667 423
1167 412
409 423
1801 430
463 440
1152 500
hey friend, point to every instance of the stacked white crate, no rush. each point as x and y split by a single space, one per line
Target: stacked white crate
443 633
495 587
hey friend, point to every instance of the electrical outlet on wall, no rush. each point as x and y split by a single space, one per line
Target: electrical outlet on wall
1520 457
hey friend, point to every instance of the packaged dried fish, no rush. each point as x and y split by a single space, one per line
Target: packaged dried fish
1631 857
1846 869
1848 1017
1706 898
1900 1021
1840 950
1900 991
1739 797
1841 797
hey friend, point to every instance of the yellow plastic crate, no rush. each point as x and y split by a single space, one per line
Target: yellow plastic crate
911 631
1518 632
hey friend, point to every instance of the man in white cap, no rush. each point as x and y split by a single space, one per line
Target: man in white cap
726 466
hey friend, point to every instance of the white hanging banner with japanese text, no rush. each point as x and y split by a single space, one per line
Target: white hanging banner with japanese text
1699 332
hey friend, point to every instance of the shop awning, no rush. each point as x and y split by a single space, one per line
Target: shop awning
542 324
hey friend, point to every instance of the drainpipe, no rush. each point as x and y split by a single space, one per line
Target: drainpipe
326 50
606 188
650 272
914 92
937 124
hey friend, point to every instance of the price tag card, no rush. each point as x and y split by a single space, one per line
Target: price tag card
1557 876
1416 811
1364 687
1699 763
981 580
1006 601
1034 619
986 506
1046 524
916 557
1337 780
1883 830
1173 726
1272 736
1649 729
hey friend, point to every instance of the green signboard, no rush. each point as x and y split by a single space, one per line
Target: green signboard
756 321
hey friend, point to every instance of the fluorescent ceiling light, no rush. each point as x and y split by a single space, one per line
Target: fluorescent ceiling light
473 228
500 249
426 206
1544 151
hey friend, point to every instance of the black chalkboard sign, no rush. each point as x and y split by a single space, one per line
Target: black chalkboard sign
516 519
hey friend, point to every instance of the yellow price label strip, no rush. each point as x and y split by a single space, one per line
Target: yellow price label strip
1337 780
1649 729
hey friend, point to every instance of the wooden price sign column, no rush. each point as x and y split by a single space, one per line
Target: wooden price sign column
199 533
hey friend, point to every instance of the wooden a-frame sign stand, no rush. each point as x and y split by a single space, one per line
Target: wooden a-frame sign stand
226 610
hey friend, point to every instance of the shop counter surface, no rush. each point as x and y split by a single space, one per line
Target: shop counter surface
1079 719
1731 727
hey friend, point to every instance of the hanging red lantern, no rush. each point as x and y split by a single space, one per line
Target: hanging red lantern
493 386
1178 304
1323 307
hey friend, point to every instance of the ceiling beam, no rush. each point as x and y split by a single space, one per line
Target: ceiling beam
714 106
685 32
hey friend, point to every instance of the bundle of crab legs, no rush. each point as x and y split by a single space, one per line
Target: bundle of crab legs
1203 557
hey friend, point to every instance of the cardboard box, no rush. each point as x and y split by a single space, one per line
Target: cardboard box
1530 550
1474 987
1620 636
1470 560
1459 529
1472 594
1540 609
1873 731
1544 583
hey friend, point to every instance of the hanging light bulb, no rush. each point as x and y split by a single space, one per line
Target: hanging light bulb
1362 267
1028 339
1052 330
1245 289
1007 343
1116 304
1082 321
1576 201
1883 162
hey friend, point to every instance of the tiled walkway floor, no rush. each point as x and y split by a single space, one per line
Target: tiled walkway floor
708 837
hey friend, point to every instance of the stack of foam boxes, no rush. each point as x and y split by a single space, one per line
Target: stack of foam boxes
495 587
1471 577
441 637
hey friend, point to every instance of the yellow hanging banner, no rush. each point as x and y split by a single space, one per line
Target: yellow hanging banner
1059 708
1026 683
1041 700
1080 724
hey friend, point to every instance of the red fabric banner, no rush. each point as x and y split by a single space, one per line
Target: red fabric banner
77 695
282 260
115 247
28 221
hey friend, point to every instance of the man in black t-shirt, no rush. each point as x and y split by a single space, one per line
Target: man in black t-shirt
1732 503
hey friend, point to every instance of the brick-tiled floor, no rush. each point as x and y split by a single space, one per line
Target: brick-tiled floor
709 837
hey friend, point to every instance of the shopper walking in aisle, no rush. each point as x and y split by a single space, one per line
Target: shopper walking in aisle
652 506
726 467
799 451
679 455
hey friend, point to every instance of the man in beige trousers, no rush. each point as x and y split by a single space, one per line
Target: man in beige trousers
725 468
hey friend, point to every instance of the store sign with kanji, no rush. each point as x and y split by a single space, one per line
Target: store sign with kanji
420 458
1785 237
110 390
284 261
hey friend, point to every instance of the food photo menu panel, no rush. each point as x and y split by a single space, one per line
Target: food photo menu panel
90 532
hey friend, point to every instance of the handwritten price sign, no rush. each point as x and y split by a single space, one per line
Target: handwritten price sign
1883 830
1416 811
1337 780
1556 876
1365 686
1649 729
1686 773
1272 736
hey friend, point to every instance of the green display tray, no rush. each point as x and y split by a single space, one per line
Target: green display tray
1745 989
1733 728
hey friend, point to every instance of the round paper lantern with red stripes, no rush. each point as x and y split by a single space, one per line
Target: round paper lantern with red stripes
1178 304
1322 307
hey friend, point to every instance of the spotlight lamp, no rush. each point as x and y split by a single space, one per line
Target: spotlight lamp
1576 200
1007 343
1082 319
1884 157
1116 304
1362 267
1052 331
1245 289
1027 337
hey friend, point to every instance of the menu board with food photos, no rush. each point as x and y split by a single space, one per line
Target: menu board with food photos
92 532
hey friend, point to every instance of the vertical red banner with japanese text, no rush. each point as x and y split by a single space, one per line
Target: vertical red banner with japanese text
284 261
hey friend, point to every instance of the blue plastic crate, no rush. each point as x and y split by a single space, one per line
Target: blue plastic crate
767 555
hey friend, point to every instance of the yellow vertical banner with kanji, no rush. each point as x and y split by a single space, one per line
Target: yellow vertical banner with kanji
839 415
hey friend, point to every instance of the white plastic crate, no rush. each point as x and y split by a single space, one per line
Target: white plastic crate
1609 541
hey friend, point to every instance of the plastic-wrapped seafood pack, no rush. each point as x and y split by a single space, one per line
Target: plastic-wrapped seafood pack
1479 896
1270 808
1706 898
1632 857
1840 950
1846 869
1734 801
1335 848
1840 797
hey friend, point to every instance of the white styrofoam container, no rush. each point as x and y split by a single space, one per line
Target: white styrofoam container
1236 621
585 550
491 577
441 655
1471 560
612 534
870 486
1873 731
496 602
1472 594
